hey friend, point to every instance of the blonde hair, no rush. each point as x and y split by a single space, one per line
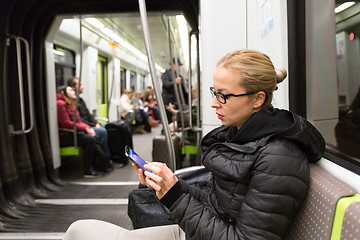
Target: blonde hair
256 70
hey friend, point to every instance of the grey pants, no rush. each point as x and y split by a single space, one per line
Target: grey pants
100 230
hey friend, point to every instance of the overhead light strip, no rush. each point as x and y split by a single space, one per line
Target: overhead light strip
344 6
112 35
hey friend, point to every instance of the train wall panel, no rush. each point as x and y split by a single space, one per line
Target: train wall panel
260 25
51 104
222 30
114 87
267 32
89 79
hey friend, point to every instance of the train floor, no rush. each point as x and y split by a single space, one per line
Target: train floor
103 198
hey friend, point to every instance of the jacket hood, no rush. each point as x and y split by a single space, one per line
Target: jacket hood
265 125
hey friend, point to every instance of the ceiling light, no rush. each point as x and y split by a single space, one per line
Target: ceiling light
96 23
110 33
344 6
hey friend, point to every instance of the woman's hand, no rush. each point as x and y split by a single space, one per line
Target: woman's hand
161 180
90 131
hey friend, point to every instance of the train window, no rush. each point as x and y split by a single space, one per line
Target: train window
102 87
102 79
347 130
64 64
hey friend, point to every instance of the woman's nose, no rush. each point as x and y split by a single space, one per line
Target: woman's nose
215 103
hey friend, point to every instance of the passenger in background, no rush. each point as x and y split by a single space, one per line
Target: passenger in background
259 160
355 105
88 118
133 115
168 94
150 104
85 134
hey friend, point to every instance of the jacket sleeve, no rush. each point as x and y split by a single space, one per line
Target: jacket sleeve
277 185
167 80
64 120
84 110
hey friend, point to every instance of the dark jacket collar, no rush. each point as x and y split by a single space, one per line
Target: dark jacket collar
264 125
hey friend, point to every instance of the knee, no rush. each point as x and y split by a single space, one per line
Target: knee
76 230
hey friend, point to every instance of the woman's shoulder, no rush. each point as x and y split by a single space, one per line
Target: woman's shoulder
283 156
281 146
60 102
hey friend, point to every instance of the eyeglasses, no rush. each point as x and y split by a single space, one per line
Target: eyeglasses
221 97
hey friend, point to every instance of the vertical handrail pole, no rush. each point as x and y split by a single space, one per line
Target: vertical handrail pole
113 79
21 87
164 120
78 87
190 85
177 87
29 81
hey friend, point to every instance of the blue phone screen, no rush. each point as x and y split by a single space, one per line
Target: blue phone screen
137 159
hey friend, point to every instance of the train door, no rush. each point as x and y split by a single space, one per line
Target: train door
102 89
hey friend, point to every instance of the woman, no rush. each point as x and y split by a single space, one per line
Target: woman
151 104
258 159
86 135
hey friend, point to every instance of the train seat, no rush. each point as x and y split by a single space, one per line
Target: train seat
70 151
347 219
316 215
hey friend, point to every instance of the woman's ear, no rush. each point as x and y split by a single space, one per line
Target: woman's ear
259 99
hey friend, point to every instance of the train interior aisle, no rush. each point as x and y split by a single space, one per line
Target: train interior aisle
103 198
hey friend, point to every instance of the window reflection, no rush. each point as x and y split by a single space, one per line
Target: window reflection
347 130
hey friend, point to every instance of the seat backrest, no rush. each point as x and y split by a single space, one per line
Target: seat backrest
351 223
315 217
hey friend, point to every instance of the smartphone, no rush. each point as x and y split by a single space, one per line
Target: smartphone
139 162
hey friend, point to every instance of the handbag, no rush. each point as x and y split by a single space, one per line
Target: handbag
144 208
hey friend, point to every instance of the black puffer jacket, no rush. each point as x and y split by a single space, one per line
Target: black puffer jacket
260 177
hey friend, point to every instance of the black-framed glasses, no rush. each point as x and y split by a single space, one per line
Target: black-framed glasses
221 97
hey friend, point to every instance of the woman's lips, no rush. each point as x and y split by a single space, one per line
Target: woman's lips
220 116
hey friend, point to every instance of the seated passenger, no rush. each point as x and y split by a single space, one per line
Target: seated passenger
88 118
85 134
151 104
259 161
136 116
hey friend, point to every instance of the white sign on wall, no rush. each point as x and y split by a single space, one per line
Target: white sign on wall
266 17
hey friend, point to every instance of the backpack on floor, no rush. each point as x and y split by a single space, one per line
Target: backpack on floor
101 162
119 136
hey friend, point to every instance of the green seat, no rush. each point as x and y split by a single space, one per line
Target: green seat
70 151
189 149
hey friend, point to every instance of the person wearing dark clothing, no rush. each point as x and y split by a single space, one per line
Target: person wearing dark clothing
168 92
85 134
355 105
259 161
88 118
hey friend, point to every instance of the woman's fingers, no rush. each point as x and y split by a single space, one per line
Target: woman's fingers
140 174
161 180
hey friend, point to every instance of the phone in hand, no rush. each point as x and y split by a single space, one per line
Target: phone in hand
138 161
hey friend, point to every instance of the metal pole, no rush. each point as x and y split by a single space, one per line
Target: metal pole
155 82
78 87
177 87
